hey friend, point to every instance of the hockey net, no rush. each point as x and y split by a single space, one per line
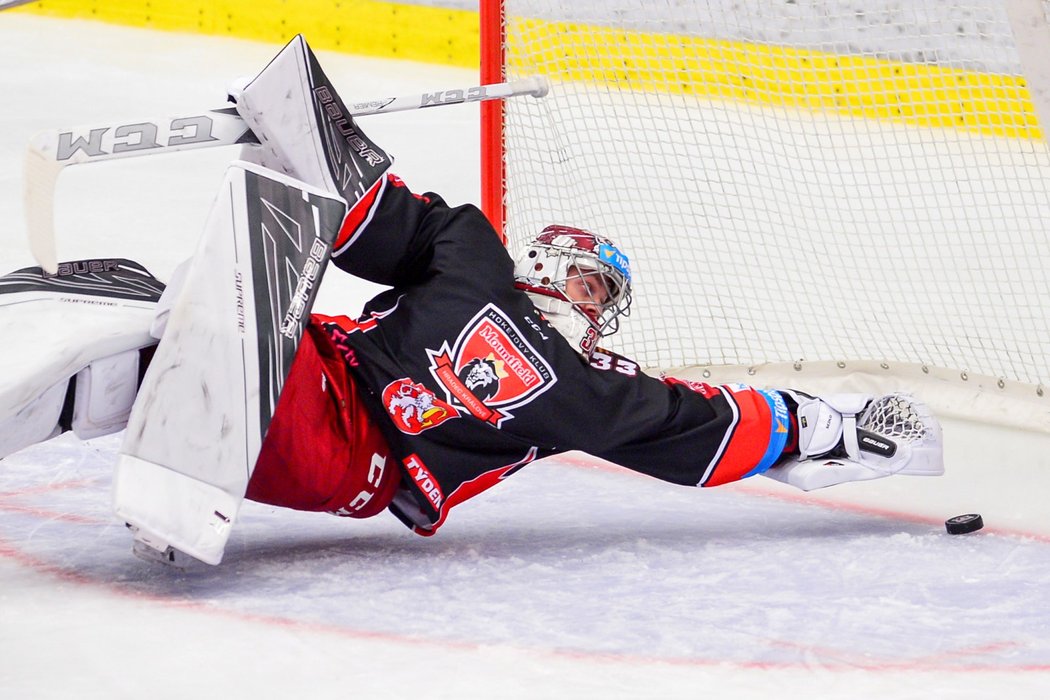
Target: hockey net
798 184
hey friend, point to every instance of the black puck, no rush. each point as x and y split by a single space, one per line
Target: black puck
961 524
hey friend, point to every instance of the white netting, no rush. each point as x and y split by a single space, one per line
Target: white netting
794 180
896 416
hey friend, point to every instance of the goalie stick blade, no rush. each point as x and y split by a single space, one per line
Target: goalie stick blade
207 399
50 152
139 137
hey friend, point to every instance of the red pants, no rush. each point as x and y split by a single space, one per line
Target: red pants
322 451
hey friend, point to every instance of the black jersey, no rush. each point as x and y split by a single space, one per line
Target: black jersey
469 383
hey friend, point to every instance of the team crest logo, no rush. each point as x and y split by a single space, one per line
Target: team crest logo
414 408
491 368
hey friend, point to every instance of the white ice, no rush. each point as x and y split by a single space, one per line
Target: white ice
573 579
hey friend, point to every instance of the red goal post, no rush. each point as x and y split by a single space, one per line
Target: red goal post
492 153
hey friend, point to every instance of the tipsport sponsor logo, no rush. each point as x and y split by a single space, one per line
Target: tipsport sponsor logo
781 417
612 256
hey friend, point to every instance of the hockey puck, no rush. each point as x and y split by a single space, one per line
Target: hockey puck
961 524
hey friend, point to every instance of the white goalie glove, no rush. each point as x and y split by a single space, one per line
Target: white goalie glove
855 437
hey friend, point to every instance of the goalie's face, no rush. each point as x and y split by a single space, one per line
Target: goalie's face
588 290
580 281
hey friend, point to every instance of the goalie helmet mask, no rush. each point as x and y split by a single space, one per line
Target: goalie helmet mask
580 281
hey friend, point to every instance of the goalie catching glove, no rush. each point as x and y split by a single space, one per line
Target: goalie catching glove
856 437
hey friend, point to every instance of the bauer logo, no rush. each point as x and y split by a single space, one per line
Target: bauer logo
300 298
84 267
870 442
343 124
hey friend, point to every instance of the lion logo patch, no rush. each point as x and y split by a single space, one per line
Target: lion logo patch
414 408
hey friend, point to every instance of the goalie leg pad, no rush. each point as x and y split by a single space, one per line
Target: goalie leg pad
96 401
36 422
72 345
230 338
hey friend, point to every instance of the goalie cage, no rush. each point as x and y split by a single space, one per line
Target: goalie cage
812 195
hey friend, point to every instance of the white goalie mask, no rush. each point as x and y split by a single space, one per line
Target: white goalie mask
580 281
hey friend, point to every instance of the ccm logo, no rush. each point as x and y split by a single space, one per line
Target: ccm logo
423 480
136 137
375 477
451 97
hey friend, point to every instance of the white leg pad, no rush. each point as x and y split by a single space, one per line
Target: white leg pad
230 338
35 422
85 324
105 393
173 509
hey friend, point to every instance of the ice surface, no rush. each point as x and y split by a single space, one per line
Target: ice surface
573 579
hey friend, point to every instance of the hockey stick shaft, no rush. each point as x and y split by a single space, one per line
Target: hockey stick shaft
8 4
223 127
52 151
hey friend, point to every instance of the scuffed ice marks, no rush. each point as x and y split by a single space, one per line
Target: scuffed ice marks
610 564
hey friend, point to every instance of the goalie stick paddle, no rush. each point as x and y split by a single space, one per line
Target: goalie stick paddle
49 152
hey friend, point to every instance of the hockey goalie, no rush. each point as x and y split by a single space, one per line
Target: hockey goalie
467 368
